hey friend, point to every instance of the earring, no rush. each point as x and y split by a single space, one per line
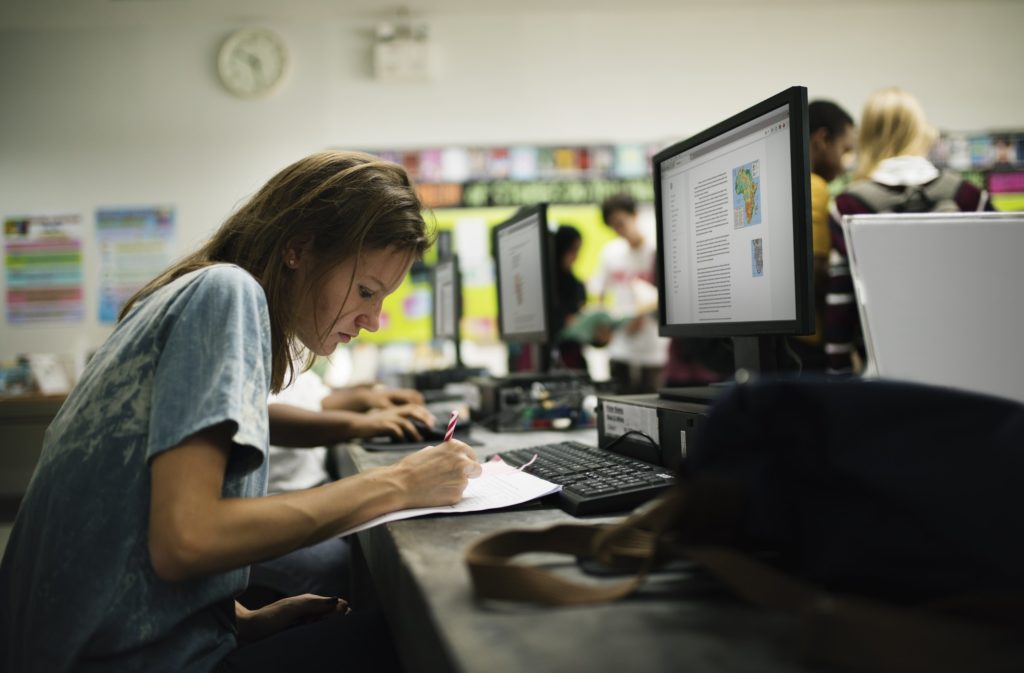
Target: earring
292 262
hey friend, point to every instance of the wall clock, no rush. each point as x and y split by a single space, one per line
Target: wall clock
252 62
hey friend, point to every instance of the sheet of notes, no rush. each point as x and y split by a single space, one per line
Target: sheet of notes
499 485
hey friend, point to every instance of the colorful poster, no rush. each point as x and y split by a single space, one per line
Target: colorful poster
523 160
499 164
524 163
44 268
431 166
455 165
134 246
630 161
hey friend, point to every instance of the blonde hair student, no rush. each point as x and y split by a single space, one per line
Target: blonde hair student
892 124
147 505
893 175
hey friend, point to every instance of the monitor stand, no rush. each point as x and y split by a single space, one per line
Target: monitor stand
752 356
437 379
545 366
457 342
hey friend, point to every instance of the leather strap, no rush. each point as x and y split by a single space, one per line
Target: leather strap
632 544
849 632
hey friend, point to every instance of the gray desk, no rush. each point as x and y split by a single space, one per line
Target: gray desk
676 623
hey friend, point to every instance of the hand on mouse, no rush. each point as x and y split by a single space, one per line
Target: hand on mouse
400 422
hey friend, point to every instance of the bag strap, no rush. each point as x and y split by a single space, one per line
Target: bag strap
853 633
494 576
631 544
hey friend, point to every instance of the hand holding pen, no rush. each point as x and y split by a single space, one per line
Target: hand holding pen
437 475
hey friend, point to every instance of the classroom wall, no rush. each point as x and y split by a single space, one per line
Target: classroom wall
107 112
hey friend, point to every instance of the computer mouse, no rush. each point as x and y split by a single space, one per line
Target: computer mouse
427 432
431 436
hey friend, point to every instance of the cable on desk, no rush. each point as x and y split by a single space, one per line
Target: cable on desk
657 447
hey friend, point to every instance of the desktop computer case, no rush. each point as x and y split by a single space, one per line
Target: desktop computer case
673 425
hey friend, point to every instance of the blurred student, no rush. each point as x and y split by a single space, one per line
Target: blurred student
893 175
624 280
146 509
832 138
570 295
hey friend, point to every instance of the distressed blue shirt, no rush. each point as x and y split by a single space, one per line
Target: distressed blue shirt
77 589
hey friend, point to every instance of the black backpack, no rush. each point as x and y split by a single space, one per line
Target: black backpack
937 196
888 515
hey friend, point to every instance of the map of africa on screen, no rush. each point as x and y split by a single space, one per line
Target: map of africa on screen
746 198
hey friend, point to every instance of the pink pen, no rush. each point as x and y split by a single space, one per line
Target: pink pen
451 425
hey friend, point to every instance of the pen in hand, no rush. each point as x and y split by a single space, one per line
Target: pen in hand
451 425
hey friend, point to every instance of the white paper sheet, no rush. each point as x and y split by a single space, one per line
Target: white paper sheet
500 485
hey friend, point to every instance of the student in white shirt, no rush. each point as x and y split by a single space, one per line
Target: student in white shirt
624 280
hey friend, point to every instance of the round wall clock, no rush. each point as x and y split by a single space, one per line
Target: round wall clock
252 62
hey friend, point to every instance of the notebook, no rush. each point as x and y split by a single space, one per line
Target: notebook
941 297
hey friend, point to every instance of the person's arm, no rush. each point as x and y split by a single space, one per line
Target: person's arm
361 397
404 396
295 427
841 322
194 530
364 397
597 285
821 243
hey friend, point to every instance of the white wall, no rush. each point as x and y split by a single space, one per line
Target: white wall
131 113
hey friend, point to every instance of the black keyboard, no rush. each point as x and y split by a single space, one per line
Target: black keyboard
594 481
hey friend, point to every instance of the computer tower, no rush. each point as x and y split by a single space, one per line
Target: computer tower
535 401
649 427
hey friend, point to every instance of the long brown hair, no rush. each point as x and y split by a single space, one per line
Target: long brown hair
342 203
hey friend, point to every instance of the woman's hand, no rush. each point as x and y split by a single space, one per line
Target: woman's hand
394 421
381 397
268 620
404 396
437 475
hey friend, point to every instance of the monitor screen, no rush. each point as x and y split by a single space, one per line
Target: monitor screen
732 206
447 299
522 255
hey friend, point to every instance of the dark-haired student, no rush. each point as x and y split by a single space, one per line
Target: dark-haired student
146 507
832 137
570 294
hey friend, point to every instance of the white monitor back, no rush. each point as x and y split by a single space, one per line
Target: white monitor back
941 297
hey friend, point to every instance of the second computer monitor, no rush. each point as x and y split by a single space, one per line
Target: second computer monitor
522 256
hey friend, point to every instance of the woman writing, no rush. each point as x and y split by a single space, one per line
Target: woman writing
144 511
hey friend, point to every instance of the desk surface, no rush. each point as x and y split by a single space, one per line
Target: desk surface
676 622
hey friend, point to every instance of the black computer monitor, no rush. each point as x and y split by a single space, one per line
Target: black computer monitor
733 214
523 266
447 300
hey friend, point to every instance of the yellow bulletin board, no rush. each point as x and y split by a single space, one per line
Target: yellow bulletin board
406 314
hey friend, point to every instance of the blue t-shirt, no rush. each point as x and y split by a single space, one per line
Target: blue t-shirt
77 586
